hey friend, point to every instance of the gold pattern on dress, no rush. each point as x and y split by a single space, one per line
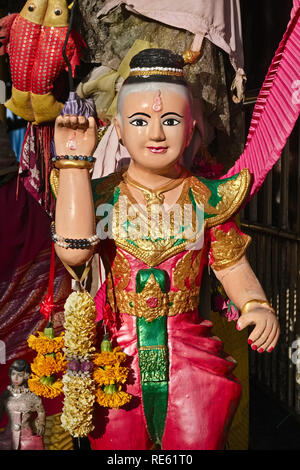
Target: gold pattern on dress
152 303
232 194
228 248
153 252
118 278
187 268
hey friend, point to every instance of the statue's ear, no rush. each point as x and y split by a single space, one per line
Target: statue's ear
118 128
26 375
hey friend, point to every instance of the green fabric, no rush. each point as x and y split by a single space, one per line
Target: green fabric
153 365
152 333
213 185
155 401
153 361
143 276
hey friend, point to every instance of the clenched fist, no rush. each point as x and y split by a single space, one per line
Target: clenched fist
75 135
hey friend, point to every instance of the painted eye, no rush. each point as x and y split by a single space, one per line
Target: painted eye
31 7
139 122
171 122
57 11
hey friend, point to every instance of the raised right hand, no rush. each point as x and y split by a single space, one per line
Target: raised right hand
78 129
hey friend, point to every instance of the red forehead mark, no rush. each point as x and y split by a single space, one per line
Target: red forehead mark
157 103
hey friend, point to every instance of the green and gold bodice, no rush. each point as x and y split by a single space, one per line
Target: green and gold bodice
205 203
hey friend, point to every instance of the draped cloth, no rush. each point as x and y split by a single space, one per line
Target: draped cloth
208 18
24 274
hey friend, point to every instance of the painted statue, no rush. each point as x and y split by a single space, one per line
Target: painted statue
158 227
25 412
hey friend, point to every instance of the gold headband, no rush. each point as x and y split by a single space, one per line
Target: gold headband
143 73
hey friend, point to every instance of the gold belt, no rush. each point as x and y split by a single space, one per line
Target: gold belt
155 305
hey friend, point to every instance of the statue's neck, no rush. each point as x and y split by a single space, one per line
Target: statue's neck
153 179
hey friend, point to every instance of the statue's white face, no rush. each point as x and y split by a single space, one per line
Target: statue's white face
155 135
18 378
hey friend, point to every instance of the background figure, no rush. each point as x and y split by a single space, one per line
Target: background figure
25 411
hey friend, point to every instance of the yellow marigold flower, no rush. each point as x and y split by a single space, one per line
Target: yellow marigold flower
43 390
121 373
48 365
115 400
119 355
107 358
104 359
45 345
111 374
105 376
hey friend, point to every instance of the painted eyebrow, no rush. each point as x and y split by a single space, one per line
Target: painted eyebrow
173 114
139 114
147 115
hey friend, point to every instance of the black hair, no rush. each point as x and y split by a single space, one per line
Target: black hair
20 365
157 58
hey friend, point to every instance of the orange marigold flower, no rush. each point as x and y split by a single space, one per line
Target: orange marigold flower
48 365
111 374
107 358
43 390
121 373
120 356
105 376
115 400
104 359
45 345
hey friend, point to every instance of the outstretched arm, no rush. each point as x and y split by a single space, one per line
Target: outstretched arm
74 213
241 286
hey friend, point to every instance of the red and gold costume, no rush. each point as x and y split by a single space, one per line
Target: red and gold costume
184 393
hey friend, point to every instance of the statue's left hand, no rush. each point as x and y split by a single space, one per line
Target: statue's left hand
266 331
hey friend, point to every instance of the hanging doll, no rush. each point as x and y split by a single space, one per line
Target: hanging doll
185 394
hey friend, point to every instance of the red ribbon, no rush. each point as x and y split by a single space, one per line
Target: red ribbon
47 304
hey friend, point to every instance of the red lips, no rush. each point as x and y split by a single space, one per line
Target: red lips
158 149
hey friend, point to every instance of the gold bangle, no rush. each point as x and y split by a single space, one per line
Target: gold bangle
258 301
62 164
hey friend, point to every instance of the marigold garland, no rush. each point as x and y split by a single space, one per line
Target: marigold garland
78 383
109 375
48 364
43 389
112 400
107 358
78 404
45 345
80 326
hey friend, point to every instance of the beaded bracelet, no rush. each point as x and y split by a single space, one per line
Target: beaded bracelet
73 243
74 161
74 157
